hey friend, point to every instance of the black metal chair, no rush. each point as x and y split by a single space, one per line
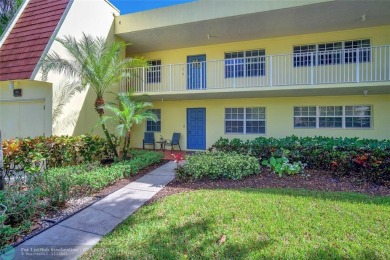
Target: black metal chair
175 141
148 140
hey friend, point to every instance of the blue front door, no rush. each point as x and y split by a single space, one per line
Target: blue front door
196 72
196 128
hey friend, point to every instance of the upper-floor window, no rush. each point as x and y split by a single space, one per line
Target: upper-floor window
250 120
332 53
249 63
154 71
329 53
152 126
333 116
351 53
303 55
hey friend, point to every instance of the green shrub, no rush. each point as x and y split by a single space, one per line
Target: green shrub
57 151
282 166
62 183
58 185
215 165
365 158
22 207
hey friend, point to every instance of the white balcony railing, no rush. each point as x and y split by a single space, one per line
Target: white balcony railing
328 67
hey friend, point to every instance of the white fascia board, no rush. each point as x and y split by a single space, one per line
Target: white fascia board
51 40
110 4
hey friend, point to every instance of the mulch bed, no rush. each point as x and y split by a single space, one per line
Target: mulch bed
312 180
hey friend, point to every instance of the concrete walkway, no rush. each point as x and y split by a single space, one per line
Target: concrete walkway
72 237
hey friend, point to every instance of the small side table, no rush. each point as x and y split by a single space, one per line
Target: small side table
162 145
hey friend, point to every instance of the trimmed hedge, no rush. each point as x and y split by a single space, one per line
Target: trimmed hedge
364 158
215 165
56 150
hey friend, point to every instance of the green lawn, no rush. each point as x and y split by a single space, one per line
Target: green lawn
264 223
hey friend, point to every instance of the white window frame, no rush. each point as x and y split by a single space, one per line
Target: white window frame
330 116
304 116
245 120
158 120
342 52
344 116
259 60
353 116
153 73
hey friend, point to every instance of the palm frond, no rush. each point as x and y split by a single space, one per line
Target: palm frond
62 96
69 120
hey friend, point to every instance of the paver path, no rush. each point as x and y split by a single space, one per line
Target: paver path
72 237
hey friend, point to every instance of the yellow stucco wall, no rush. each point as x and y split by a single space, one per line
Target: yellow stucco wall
278 70
379 35
79 116
279 117
279 110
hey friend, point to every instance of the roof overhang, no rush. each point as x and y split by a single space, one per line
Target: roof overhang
214 22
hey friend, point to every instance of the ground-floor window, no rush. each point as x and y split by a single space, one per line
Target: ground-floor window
305 117
358 117
152 126
250 120
333 116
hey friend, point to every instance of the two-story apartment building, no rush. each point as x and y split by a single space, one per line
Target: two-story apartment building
262 68
225 68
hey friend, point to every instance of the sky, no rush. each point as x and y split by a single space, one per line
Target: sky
131 6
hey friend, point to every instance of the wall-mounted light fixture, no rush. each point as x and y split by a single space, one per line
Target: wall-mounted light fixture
363 17
11 86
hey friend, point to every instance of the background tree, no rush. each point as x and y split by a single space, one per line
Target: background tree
129 111
93 62
8 9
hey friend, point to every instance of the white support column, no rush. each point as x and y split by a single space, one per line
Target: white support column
234 73
357 65
143 79
170 77
270 71
311 68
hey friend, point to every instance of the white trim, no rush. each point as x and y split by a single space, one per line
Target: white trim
343 118
12 23
51 40
244 120
113 6
22 100
146 122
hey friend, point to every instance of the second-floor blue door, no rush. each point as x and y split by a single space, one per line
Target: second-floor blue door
196 72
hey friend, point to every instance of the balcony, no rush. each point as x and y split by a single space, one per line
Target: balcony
354 67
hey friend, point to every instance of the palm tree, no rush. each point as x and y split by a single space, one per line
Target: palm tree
95 63
129 112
